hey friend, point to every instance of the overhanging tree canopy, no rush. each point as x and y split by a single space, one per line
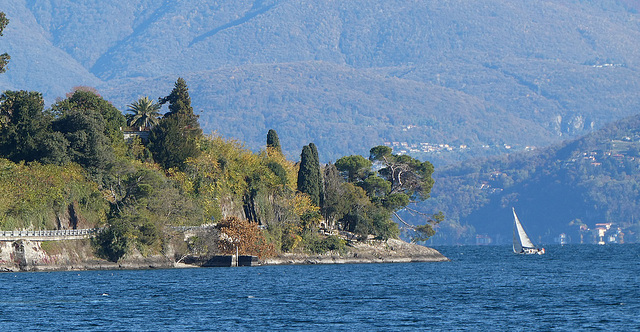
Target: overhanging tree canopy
410 179
407 175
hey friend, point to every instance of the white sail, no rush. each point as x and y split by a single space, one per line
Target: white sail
520 238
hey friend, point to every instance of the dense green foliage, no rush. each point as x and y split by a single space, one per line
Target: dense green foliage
83 128
175 138
37 196
365 202
407 176
25 132
356 167
86 102
89 178
70 167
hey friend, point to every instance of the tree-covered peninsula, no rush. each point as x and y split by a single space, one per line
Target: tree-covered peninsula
142 177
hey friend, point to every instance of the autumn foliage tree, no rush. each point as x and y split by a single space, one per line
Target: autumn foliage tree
243 235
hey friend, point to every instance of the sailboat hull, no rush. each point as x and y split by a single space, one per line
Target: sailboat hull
531 251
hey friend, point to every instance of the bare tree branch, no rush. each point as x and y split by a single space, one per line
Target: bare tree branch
404 222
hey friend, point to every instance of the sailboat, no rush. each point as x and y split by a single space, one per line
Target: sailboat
521 242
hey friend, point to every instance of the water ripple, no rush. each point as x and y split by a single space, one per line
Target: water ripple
482 288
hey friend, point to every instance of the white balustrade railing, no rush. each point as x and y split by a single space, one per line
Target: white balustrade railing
50 233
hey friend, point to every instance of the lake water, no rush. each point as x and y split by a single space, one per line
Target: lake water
574 287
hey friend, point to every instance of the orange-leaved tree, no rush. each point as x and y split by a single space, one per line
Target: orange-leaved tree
243 235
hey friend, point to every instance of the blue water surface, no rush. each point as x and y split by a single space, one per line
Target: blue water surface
573 287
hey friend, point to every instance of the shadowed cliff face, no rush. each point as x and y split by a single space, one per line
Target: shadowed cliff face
71 219
357 72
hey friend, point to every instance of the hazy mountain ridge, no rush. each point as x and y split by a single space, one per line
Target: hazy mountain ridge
489 73
594 179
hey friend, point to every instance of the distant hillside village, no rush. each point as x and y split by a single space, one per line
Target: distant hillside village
622 149
615 155
435 148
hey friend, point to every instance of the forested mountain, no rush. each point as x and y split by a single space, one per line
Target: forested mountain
568 188
480 77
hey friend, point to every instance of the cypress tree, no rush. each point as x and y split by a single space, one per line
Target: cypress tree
314 151
332 194
316 166
273 142
180 105
308 175
169 144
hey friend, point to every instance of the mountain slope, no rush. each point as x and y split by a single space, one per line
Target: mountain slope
36 62
591 180
459 73
330 103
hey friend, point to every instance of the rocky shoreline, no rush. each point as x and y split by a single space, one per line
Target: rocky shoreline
390 251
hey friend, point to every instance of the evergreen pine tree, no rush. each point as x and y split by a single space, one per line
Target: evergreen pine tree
175 138
180 105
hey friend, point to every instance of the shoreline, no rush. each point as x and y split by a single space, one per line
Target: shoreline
369 252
